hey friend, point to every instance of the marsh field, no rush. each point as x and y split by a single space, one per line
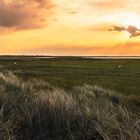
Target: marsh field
69 98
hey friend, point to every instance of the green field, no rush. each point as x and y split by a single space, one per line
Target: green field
70 71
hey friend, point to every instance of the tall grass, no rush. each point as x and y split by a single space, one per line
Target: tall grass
35 110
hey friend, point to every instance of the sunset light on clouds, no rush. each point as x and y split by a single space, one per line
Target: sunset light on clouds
70 27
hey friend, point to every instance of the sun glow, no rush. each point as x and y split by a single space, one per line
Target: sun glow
132 20
126 35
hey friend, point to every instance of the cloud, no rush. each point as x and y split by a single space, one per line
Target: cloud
72 12
109 4
129 48
132 30
117 28
133 44
24 14
67 50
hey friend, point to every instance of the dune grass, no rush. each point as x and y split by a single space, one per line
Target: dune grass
35 110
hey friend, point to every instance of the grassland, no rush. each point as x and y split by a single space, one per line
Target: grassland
67 72
69 98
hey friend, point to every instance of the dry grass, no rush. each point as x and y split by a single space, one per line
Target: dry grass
34 110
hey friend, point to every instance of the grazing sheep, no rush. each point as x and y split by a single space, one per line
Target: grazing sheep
15 63
120 66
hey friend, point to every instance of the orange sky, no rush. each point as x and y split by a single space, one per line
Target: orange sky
70 27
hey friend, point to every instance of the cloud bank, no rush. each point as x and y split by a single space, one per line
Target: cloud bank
132 30
24 14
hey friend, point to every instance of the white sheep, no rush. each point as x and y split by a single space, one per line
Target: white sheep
15 63
120 66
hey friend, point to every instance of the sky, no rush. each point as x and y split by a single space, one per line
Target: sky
70 27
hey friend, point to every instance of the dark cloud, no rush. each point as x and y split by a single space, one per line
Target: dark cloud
134 31
117 28
24 14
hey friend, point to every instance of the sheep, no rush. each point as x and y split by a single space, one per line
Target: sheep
120 66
